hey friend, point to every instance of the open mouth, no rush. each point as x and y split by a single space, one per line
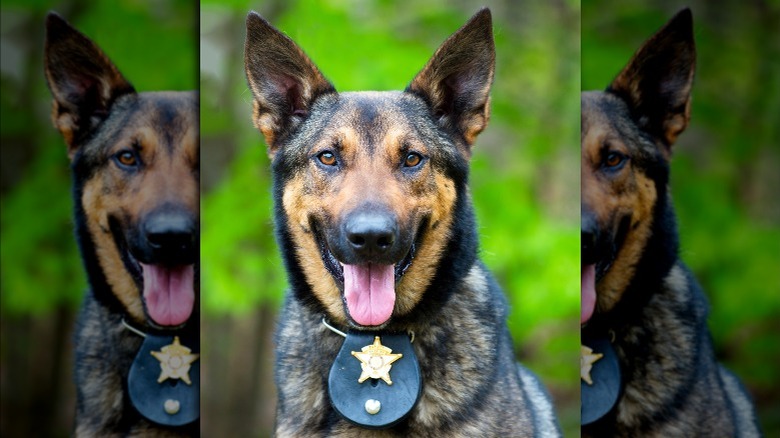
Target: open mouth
598 255
592 269
587 291
368 289
167 291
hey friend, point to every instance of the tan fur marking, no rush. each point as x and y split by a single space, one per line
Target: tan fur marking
641 203
473 126
265 123
675 125
65 123
298 205
369 177
168 180
98 207
629 193
410 289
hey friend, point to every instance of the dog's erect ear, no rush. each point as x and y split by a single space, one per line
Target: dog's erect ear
657 81
456 81
82 80
283 80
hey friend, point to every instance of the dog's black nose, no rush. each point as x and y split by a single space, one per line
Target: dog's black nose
589 236
371 234
170 236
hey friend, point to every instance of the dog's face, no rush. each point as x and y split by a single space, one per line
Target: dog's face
367 181
135 160
368 202
627 135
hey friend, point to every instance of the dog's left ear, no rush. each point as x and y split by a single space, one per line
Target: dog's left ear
657 81
83 81
456 81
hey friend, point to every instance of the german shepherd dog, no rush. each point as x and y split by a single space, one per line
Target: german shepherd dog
135 166
642 309
377 232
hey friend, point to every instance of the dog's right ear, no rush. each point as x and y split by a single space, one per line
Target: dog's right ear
82 80
456 81
283 80
656 84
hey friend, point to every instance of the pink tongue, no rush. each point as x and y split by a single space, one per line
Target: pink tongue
370 292
588 291
169 293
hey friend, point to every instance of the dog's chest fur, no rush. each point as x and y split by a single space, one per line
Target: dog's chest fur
470 381
103 362
672 384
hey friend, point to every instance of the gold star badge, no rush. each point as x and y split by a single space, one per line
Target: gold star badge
587 359
376 361
175 360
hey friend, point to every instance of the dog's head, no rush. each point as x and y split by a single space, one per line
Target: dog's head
135 164
366 182
627 135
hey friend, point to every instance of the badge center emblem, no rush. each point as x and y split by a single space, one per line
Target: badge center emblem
376 360
175 361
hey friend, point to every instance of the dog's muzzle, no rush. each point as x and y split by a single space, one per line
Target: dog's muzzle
164 246
372 252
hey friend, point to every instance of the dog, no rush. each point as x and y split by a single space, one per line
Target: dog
377 232
135 168
643 313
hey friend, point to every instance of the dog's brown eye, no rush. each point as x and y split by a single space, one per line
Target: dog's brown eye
327 158
412 159
613 159
127 158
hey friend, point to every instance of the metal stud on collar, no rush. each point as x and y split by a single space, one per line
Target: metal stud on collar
373 406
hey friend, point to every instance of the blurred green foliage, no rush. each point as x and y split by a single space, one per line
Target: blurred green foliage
725 175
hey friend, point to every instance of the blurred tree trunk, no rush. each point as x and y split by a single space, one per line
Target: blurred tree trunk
238 397
38 397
